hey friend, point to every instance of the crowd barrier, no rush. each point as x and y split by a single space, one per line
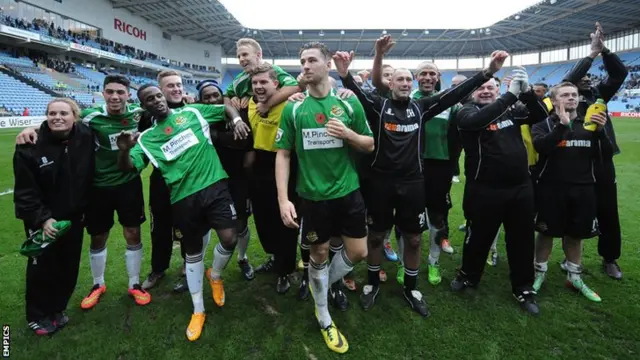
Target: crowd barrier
26 121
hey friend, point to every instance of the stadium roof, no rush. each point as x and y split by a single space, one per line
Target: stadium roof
548 24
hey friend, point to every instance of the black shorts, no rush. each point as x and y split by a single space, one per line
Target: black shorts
566 210
209 208
345 216
437 185
239 190
125 199
394 202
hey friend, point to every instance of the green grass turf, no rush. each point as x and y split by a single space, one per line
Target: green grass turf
257 323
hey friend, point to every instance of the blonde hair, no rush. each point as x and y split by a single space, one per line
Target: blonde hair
554 90
249 42
75 109
166 73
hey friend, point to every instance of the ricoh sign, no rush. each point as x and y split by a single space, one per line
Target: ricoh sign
129 29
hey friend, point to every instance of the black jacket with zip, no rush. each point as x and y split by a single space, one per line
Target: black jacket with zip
568 153
53 177
397 125
495 153
605 90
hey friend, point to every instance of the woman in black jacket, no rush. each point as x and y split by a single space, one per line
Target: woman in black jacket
52 179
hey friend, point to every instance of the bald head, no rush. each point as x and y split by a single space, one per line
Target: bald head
428 75
457 80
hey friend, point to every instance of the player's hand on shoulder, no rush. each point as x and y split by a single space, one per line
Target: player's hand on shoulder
27 136
235 102
297 97
262 109
345 93
244 102
188 99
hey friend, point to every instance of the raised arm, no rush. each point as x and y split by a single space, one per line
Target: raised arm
383 45
582 67
434 105
372 103
579 70
616 74
536 110
471 117
288 86
615 68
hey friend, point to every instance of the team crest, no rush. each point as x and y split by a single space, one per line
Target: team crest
180 120
336 111
137 117
312 236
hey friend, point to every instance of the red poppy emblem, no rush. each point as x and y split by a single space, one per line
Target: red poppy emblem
168 130
125 122
320 118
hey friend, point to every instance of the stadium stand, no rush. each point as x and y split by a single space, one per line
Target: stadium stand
78 84
16 96
42 27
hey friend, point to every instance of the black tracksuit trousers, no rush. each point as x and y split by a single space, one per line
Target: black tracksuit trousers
161 223
610 239
275 237
52 276
486 208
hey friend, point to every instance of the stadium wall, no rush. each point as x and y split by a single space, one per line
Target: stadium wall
101 14
13 122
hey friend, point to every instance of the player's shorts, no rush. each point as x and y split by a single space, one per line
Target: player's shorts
125 199
239 190
396 202
320 220
566 210
437 185
232 161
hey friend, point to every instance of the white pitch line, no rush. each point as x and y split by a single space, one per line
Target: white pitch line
6 192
